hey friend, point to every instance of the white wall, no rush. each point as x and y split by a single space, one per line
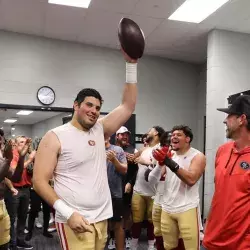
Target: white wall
22 130
228 73
201 112
167 89
41 128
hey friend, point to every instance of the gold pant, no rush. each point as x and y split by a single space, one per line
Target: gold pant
4 224
156 215
141 207
85 241
180 225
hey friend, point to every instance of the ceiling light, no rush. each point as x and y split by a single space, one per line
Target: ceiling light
13 135
10 120
24 112
13 128
195 11
73 3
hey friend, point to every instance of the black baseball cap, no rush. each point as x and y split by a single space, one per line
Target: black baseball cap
240 106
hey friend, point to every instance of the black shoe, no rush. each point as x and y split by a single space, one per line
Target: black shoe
48 235
24 245
28 236
13 247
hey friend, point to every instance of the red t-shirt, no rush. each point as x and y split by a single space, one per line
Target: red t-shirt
25 179
229 221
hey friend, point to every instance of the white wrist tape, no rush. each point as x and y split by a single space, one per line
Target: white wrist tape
131 72
61 207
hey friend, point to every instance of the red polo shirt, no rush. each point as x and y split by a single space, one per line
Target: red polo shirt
228 224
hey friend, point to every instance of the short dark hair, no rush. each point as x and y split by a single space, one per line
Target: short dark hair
186 130
248 124
88 92
1 132
165 139
160 130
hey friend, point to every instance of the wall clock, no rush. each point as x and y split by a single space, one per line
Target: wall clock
46 95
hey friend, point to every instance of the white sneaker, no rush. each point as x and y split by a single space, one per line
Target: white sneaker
128 243
151 248
134 244
51 220
52 229
38 224
111 244
151 245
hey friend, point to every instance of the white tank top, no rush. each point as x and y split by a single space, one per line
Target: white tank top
81 174
178 196
141 186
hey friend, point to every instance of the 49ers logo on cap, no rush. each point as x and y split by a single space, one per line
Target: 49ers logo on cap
91 143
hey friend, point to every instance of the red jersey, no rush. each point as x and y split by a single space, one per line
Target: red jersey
228 224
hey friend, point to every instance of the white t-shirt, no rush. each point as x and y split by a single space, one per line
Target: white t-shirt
80 177
178 196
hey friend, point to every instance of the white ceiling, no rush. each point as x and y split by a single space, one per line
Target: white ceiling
35 117
97 25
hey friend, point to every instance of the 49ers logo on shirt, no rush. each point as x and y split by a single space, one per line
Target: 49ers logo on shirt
91 143
244 165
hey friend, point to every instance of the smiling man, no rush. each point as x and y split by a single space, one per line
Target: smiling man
180 208
228 222
74 154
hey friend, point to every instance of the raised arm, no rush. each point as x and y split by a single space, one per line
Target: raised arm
11 166
116 118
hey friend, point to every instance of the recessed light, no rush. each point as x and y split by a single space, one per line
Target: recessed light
24 112
13 128
195 11
13 135
73 3
10 120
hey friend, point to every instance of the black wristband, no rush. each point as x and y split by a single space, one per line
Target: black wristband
171 164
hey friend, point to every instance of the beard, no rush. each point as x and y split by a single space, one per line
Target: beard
122 142
175 149
85 125
230 133
149 139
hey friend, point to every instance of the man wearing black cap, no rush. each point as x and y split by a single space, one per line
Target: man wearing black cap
228 222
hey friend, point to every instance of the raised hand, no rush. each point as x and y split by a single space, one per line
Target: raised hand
8 151
161 154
